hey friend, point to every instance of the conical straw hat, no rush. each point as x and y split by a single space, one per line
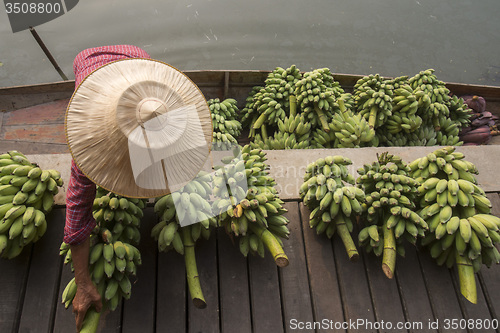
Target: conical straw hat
139 128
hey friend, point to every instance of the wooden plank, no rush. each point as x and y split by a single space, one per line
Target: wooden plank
40 88
64 320
42 114
265 295
33 148
50 133
413 291
294 281
233 284
12 102
139 310
206 320
43 280
385 295
325 293
171 293
489 277
354 290
13 277
478 311
442 294
483 309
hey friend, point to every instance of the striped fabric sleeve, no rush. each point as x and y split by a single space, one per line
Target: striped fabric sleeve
80 197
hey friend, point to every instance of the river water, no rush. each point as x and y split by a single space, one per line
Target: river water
458 38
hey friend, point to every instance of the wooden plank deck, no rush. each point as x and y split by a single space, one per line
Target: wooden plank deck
251 294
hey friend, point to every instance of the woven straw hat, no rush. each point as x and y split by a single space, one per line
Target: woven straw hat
139 128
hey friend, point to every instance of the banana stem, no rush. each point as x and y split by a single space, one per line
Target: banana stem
322 117
271 243
466 278
345 235
293 105
263 132
435 122
91 321
373 116
389 254
192 276
342 107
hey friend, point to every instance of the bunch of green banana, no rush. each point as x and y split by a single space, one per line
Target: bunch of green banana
284 80
388 139
434 96
448 133
334 204
256 214
316 94
26 197
184 217
274 101
248 113
423 136
186 209
460 112
389 213
404 109
281 140
347 130
113 257
293 133
118 214
400 82
226 127
461 229
373 99
111 263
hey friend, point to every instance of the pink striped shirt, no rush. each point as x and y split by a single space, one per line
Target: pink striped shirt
80 193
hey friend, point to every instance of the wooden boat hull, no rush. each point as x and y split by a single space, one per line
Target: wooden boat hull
32 118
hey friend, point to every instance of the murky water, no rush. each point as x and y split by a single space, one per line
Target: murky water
458 38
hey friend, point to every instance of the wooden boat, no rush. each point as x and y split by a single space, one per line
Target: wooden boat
319 291
32 118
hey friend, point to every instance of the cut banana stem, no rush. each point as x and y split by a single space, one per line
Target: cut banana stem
271 243
322 118
345 235
293 105
91 321
389 253
372 119
466 278
263 132
342 107
193 279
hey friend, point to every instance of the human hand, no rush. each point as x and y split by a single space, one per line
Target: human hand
86 296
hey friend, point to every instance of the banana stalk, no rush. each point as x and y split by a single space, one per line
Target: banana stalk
345 235
373 116
91 321
322 118
293 105
389 253
466 278
271 243
263 132
193 278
